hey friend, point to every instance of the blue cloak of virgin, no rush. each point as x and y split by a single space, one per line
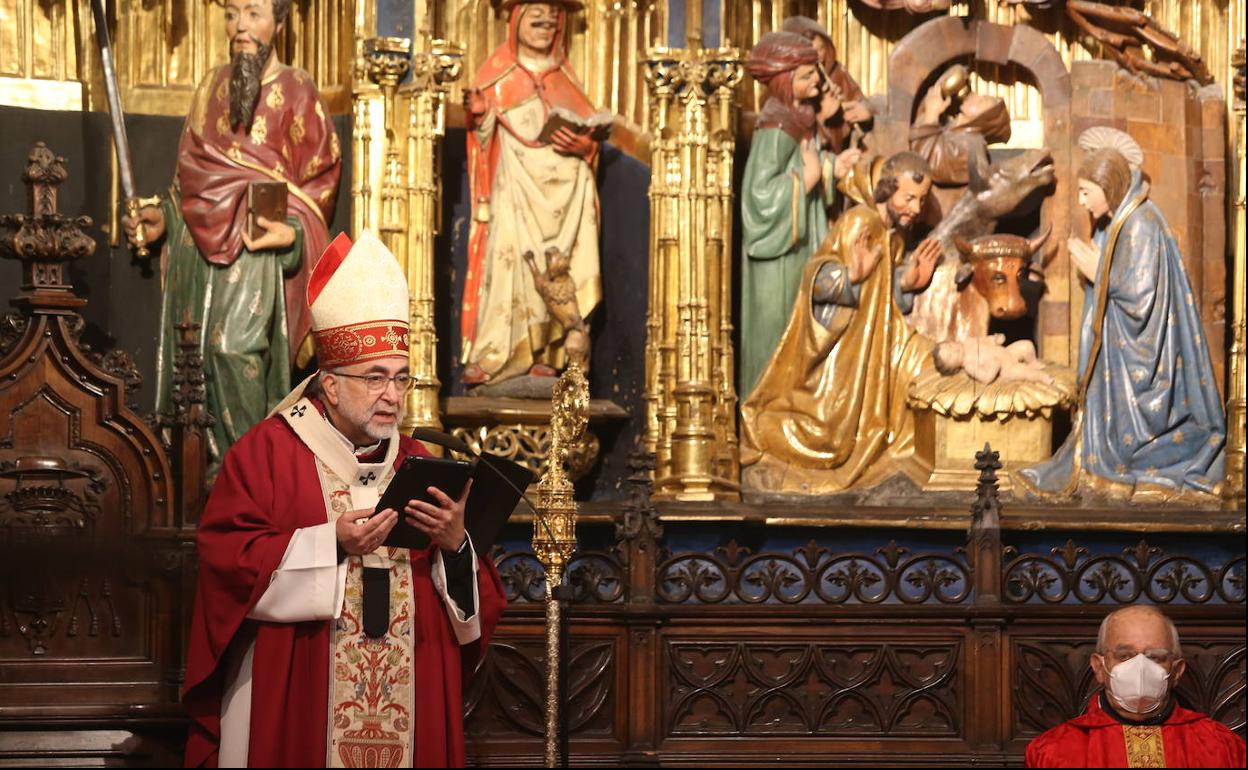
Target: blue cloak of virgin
1150 412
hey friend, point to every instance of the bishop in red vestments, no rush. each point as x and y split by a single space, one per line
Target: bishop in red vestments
1135 721
290 663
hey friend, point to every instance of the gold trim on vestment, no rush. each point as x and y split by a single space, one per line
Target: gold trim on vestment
794 207
1102 293
1077 472
1144 746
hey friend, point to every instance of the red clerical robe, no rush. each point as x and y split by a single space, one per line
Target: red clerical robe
268 488
1097 739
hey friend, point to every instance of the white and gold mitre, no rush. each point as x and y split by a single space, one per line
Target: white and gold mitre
359 301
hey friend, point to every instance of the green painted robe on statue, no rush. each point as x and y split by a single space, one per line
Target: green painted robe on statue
251 307
781 225
244 341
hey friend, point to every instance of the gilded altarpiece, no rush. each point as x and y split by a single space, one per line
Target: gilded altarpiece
945 636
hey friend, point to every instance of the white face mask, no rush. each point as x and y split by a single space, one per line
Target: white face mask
1139 685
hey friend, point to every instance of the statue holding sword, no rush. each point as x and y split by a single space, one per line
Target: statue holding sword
239 274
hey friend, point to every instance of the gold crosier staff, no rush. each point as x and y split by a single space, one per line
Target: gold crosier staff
554 530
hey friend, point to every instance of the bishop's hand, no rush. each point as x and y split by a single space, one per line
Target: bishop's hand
360 532
444 522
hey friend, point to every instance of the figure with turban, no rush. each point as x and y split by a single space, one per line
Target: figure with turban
788 183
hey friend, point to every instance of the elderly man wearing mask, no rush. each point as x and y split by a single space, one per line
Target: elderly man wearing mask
1135 720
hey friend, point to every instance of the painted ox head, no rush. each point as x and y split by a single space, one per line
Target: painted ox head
995 265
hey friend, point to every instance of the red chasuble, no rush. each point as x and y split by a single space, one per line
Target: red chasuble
1097 739
267 488
506 83
291 140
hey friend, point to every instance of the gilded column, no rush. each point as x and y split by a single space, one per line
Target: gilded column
664 77
724 74
388 60
1236 396
691 404
432 72
366 136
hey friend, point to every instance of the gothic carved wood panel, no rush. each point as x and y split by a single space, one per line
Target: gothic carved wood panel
506 695
596 577
812 574
1073 573
737 687
84 486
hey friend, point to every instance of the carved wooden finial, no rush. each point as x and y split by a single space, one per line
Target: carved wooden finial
42 239
987 505
45 171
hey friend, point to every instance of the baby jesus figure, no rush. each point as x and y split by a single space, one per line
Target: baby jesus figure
985 359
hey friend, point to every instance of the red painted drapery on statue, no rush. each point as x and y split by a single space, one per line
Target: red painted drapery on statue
291 140
505 83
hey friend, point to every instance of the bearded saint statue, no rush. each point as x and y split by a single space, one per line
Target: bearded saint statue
252 120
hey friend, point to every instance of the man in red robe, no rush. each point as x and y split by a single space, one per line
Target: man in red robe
528 195
312 644
252 120
1135 721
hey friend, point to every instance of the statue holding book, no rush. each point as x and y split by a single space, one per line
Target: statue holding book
533 141
243 224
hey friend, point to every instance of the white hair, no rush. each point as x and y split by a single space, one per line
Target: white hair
1175 648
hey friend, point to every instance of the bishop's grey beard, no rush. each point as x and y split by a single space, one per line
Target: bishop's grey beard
245 72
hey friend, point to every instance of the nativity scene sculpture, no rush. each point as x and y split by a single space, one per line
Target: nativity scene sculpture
789 181
829 410
893 364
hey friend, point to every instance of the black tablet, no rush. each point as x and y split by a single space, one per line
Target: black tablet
412 482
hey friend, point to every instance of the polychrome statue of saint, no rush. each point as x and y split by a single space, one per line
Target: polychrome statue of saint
252 120
952 124
530 193
788 183
1150 424
829 411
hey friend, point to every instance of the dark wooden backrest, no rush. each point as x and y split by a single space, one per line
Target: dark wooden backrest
92 552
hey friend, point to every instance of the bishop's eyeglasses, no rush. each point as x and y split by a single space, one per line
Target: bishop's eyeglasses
376 383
